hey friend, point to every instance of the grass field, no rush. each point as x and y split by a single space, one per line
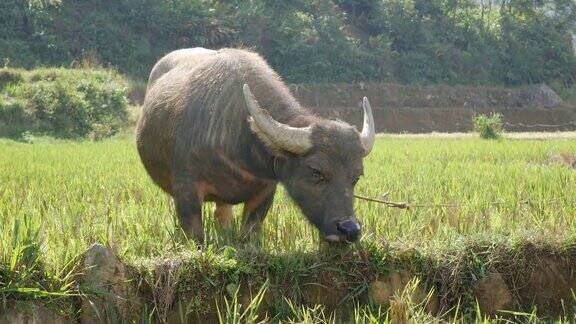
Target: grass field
59 197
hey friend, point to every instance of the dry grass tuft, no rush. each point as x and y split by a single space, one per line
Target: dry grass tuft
167 275
564 158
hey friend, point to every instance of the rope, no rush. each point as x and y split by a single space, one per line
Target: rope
403 205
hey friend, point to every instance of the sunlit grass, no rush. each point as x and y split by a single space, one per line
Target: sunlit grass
79 193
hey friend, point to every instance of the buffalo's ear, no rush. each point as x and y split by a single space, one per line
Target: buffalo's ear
268 143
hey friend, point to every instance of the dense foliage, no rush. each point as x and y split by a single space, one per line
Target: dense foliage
67 103
507 42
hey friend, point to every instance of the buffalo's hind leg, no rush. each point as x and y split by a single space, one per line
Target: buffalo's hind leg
189 209
223 215
255 211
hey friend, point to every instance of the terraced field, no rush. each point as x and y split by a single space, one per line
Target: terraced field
491 225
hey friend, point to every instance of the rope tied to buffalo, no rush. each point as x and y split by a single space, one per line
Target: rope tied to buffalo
404 205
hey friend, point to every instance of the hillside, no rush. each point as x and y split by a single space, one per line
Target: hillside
311 41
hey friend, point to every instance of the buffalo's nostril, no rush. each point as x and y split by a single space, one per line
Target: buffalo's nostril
349 228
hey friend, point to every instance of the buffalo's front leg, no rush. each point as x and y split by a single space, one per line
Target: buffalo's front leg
255 210
189 209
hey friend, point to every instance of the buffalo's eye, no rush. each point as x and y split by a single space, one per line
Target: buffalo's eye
318 176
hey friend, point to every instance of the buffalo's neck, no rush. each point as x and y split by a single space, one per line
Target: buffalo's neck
292 114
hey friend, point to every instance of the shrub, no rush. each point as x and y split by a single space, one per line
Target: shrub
566 93
10 76
489 127
13 119
66 103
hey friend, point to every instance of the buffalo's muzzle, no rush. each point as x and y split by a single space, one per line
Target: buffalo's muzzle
350 229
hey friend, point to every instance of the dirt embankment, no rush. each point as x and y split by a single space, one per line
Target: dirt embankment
423 109
188 288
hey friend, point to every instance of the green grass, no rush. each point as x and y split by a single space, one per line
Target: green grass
58 197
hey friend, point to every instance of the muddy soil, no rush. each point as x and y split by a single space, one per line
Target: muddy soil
31 312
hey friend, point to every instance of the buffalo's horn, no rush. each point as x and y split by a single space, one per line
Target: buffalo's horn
368 132
292 139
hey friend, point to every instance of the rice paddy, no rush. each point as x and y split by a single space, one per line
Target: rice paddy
59 197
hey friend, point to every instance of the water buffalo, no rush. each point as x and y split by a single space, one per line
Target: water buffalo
202 136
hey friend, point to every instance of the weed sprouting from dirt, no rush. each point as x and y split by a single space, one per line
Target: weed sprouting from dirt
309 315
235 311
404 309
23 273
488 127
